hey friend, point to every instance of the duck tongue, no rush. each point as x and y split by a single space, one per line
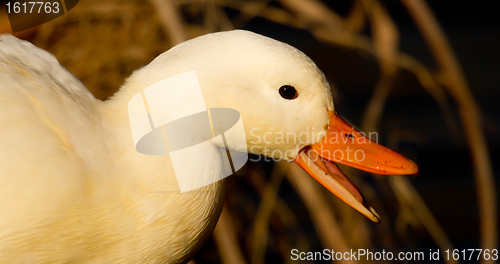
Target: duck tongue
329 175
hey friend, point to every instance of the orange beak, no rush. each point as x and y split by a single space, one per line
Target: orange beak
344 144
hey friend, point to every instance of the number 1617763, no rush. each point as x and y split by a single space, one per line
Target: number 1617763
33 7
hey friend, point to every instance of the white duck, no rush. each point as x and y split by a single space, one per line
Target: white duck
73 188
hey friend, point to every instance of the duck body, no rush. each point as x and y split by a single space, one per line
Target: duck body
71 190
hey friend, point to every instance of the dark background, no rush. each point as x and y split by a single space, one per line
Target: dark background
446 180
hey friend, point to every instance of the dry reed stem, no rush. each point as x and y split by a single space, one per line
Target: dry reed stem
248 9
429 83
314 11
324 220
171 20
385 36
284 213
385 42
407 193
453 79
260 227
356 19
374 110
411 199
225 237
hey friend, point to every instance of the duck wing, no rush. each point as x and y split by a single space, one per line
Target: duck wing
49 144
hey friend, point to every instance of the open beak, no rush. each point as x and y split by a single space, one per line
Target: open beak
344 144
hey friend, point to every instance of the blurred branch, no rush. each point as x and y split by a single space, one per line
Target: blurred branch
314 11
453 79
284 213
385 42
407 193
374 109
225 238
323 218
409 197
249 10
172 22
261 224
356 19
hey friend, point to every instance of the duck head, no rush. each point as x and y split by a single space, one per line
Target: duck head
286 107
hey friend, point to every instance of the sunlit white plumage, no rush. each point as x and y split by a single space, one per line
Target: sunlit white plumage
74 189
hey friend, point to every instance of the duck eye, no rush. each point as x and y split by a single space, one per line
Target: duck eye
288 92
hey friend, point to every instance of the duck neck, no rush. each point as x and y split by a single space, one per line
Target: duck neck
150 183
